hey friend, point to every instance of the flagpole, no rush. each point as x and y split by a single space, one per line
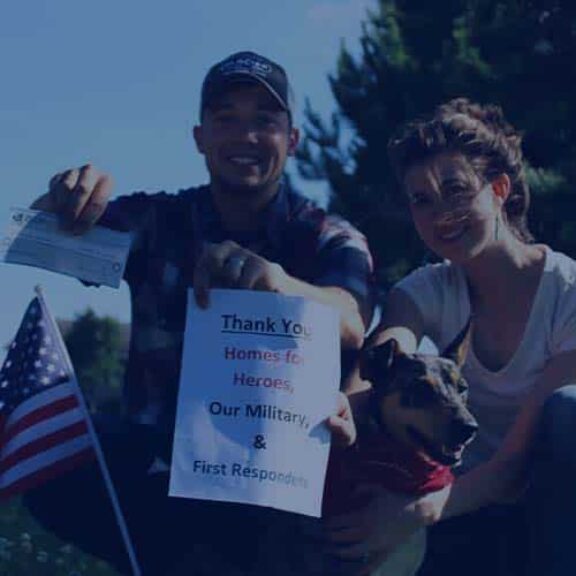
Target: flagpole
97 448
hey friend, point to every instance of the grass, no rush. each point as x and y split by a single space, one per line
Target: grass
28 550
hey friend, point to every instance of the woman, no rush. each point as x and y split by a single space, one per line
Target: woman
462 172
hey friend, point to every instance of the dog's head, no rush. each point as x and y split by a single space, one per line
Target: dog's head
420 399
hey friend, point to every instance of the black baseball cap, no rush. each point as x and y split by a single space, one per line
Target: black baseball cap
247 67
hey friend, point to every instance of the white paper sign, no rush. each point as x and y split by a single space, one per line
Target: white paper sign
33 238
260 374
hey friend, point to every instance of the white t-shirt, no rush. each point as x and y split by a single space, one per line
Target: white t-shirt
440 292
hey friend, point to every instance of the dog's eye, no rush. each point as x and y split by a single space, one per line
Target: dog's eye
418 395
462 387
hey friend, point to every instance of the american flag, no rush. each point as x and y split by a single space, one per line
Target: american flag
43 428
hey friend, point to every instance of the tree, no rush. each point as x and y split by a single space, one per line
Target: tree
415 54
97 350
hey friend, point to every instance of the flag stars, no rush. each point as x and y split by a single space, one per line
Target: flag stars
38 364
42 351
45 380
51 368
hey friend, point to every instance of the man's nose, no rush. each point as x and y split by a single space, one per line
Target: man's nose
247 131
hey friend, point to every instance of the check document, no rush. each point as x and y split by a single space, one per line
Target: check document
33 238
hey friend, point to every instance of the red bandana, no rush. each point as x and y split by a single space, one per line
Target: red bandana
379 460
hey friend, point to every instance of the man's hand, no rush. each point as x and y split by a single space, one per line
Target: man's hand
229 265
383 520
78 197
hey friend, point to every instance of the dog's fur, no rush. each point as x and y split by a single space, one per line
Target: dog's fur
420 399
413 422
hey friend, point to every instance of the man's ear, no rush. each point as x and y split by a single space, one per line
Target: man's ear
293 141
198 134
376 361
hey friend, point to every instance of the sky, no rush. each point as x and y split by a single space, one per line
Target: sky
116 83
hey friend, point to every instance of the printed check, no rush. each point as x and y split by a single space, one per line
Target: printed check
33 238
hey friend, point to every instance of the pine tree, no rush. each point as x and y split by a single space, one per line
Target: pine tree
415 54
97 352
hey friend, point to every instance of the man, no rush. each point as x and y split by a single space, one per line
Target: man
243 230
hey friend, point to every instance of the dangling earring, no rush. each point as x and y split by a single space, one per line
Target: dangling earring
497 228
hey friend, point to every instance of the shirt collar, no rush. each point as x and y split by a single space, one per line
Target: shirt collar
275 215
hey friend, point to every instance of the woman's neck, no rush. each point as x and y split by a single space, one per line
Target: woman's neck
502 269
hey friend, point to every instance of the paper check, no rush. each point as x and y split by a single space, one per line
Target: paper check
33 238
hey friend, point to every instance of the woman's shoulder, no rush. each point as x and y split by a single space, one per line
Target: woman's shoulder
561 269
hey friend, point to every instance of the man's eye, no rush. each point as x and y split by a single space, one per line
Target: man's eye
267 121
225 119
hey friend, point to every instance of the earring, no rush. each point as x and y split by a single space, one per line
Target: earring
497 228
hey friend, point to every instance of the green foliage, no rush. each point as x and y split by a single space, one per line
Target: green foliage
96 350
26 550
415 54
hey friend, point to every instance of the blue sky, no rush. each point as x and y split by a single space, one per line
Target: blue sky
116 83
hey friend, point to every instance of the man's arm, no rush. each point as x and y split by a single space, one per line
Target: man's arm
230 265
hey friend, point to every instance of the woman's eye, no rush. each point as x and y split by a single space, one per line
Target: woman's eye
458 195
418 199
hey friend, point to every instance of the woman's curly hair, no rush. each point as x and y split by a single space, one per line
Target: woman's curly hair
482 135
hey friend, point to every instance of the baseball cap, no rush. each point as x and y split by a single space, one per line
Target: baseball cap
247 67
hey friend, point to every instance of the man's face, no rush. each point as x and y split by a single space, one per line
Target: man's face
246 136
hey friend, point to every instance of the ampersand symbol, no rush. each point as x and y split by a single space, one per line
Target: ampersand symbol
259 443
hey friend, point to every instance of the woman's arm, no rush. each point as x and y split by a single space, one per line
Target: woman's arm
504 476
402 321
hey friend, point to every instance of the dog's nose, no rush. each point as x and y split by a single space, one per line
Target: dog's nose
462 430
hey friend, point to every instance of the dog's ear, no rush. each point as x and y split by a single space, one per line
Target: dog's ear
458 348
376 361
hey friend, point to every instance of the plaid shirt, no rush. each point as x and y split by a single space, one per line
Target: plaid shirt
169 231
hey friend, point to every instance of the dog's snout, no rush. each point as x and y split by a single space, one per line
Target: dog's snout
462 431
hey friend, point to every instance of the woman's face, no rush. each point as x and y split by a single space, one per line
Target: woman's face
454 210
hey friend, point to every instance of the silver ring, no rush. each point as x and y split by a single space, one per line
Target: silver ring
235 264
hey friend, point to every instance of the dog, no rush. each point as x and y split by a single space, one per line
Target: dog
413 426
413 423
